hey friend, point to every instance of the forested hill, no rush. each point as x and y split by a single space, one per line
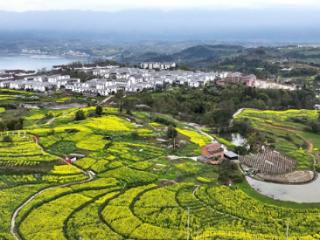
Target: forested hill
215 106
195 55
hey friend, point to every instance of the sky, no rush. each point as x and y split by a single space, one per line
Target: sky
226 20
119 5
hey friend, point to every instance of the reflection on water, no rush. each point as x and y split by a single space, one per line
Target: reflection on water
238 140
306 193
33 62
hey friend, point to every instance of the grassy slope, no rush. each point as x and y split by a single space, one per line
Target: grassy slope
131 196
290 137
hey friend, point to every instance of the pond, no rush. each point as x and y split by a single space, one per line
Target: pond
305 193
238 140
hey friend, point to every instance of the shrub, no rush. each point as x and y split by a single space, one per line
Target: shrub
71 130
99 110
7 139
135 135
172 132
49 115
315 127
80 115
243 127
12 124
164 121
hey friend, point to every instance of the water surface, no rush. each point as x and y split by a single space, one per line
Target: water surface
305 193
33 62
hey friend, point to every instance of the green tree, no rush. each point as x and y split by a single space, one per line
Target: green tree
49 115
99 110
7 139
80 115
172 134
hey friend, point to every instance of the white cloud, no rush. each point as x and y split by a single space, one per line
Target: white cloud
116 5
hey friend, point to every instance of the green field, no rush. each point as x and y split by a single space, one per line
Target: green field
287 132
124 187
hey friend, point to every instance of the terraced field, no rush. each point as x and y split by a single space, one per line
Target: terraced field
287 132
23 151
123 186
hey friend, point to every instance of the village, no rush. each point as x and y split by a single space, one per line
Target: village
108 80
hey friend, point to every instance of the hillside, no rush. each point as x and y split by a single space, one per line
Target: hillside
129 182
193 55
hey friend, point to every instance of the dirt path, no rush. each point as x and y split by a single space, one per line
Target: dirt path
173 157
238 112
106 100
50 121
235 115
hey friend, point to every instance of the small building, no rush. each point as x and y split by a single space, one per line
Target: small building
212 153
231 155
70 159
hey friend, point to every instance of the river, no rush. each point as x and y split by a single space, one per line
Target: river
33 62
305 193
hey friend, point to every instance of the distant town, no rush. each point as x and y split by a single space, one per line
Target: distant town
107 80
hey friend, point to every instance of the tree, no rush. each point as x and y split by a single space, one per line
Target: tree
315 126
135 135
99 110
172 134
243 127
49 115
80 115
7 139
121 107
228 171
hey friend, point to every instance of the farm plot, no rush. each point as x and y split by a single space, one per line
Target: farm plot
136 192
121 153
23 151
44 217
259 217
84 222
10 199
195 137
119 216
286 132
158 207
269 162
47 221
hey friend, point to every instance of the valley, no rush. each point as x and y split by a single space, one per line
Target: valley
109 175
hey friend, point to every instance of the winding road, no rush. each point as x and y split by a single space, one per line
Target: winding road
13 226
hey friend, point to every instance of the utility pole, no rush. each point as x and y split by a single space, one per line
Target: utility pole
188 224
287 231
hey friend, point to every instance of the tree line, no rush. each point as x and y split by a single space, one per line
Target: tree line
215 106
11 124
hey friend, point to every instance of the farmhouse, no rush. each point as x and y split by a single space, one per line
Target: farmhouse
212 154
237 78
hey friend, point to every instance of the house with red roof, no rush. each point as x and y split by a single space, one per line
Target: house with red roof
212 153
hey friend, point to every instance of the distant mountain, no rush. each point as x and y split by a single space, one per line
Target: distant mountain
196 55
229 25
206 52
